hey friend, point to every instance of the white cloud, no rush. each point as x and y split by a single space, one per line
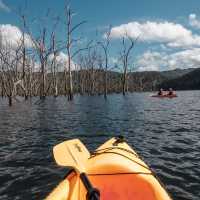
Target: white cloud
185 59
4 7
151 61
62 62
113 60
158 61
11 36
194 21
172 34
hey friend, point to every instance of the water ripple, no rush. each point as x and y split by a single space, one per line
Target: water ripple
164 132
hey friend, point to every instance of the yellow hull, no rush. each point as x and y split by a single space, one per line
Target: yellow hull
119 174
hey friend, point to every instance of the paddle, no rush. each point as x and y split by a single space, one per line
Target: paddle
73 153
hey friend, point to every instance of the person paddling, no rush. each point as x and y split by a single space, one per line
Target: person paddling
160 92
171 92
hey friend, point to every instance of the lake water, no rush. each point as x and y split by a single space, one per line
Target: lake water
165 132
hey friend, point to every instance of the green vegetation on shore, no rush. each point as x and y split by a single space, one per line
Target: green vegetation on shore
91 82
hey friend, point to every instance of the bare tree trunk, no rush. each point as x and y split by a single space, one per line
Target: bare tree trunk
43 70
105 82
10 100
2 87
54 71
43 82
71 55
70 83
105 46
124 79
125 59
24 60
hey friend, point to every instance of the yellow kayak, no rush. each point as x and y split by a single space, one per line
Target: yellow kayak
113 172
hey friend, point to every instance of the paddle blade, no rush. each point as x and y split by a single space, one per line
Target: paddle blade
71 153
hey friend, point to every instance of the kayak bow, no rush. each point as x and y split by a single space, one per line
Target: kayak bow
115 169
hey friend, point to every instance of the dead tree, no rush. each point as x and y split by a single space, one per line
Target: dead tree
54 68
10 64
23 77
70 42
43 51
105 46
101 76
92 59
81 75
24 71
127 45
43 62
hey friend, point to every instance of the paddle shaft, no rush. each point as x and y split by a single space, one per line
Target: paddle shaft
93 193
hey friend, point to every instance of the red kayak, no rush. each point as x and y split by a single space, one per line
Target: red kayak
165 96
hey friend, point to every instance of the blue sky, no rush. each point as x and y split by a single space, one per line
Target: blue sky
169 30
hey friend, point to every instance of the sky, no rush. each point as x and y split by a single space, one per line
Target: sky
168 31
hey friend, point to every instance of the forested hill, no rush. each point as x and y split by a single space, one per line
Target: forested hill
153 80
188 81
173 74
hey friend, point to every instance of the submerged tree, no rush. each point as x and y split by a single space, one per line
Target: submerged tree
127 45
105 46
54 67
69 45
45 47
10 68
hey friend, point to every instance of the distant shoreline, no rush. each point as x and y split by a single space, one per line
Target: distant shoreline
91 82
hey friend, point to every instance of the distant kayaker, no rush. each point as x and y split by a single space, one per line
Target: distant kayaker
171 92
160 92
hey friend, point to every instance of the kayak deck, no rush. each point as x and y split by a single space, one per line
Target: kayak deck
119 187
118 173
